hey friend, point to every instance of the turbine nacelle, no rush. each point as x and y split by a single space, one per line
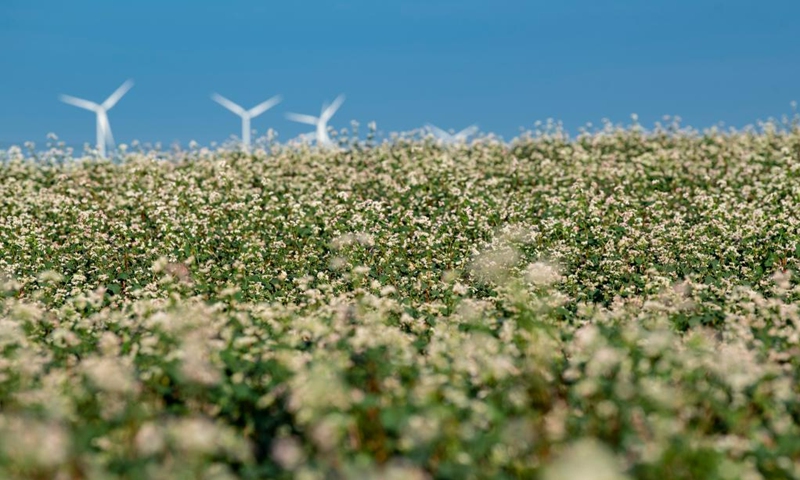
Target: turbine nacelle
246 115
321 123
104 136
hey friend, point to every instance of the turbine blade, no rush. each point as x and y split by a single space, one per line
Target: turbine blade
118 93
264 106
467 132
331 109
438 132
79 102
229 105
299 117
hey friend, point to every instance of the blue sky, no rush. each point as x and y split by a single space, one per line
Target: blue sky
502 64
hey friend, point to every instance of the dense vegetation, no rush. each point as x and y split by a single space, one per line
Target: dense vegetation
621 303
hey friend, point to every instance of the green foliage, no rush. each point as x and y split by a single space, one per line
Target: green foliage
620 304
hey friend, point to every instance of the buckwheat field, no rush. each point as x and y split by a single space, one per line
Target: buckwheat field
617 305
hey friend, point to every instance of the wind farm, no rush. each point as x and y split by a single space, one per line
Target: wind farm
319 137
422 240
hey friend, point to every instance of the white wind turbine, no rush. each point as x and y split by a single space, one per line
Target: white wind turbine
450 138
321 122
246 115
104 137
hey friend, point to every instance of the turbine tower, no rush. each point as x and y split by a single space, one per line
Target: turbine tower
450 138
104 136
321 122
246 115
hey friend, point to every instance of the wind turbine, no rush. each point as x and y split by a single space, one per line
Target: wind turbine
104 137
321 122
449 138
246 115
